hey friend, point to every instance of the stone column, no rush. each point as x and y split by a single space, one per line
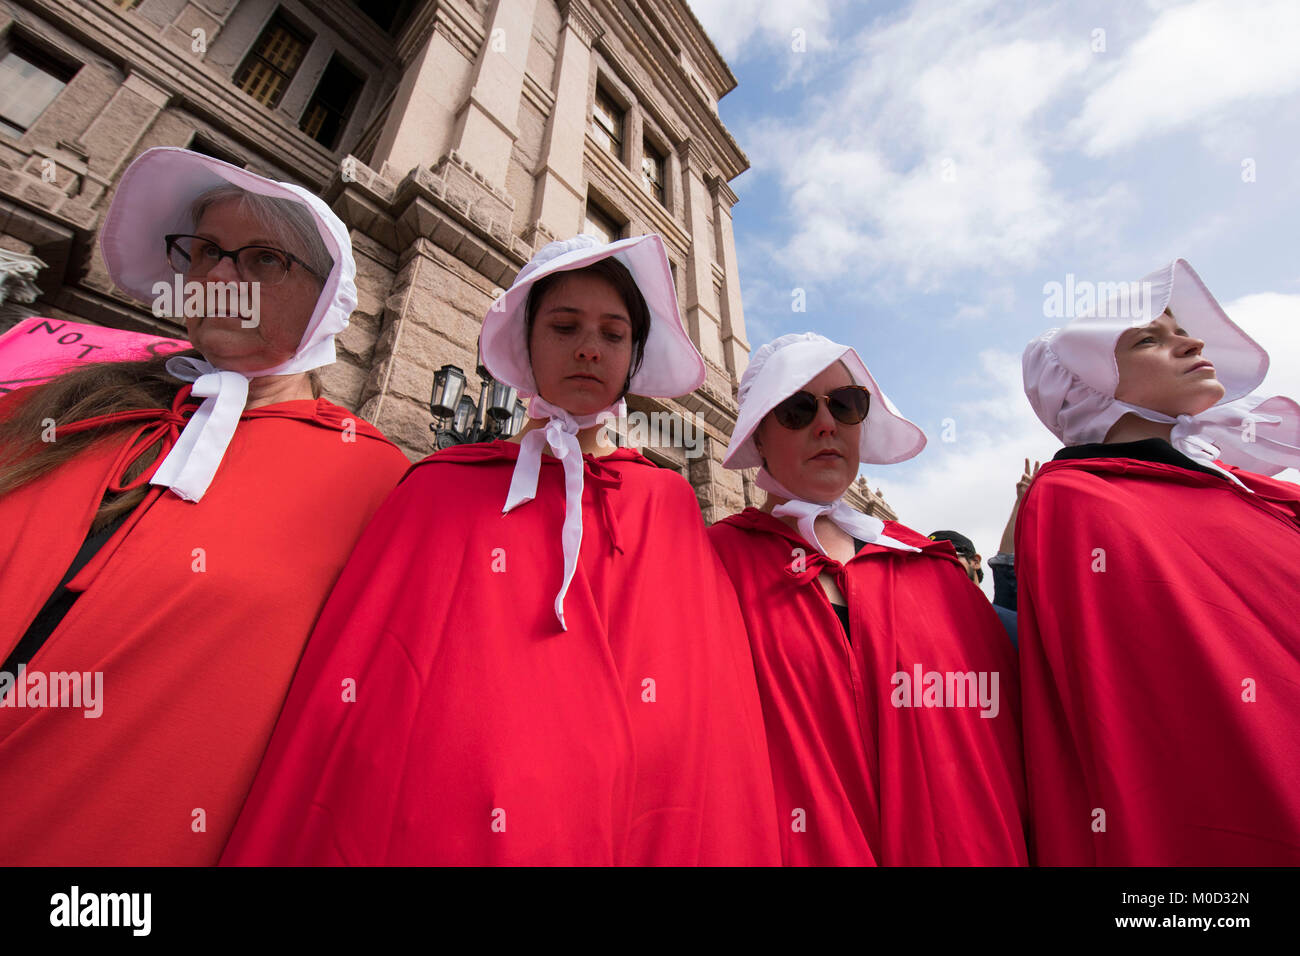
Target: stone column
735 348
558 198
700 312
420 121
112 137
486 123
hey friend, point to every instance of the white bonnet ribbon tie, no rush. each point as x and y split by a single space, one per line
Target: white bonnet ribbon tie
192 463
866 528
1186 438
561 434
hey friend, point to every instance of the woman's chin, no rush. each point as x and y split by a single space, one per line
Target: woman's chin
581 401
234 353
819 489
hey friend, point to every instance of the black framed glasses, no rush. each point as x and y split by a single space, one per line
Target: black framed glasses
848 405
196 257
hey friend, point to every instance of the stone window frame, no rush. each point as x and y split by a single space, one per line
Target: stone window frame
402 15
603 91
604 209
295 101
652 136
349 65
641 125
40 49
279 19
201 141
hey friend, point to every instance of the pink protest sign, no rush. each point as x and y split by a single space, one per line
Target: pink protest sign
37 349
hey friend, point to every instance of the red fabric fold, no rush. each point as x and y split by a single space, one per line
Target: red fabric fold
440 715
1160 657
860 781
158 427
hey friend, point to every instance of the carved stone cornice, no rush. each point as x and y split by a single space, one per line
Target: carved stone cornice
722 193
416 32
694 158
582 20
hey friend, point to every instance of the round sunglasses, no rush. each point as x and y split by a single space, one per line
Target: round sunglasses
848 405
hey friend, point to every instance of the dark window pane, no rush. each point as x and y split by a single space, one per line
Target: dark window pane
271 64
652 172
389 14
29 82
601 225
607 123
331 104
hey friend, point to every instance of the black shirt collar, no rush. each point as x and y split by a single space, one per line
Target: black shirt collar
1148 449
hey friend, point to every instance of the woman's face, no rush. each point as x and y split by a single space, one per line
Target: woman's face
1161 368
819 461
581 344
284 309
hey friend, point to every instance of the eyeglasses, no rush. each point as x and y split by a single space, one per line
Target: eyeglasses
197 256
848 405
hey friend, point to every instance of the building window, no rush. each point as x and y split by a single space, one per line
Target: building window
331 104
201 144
607 119
29 82
601 224
272 63
389 14
127 4
652 172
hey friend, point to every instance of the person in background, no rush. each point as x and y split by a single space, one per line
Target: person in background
1003 563
971 562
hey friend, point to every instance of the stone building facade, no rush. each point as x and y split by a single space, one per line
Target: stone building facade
453 137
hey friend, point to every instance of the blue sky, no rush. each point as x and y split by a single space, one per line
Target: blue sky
922 169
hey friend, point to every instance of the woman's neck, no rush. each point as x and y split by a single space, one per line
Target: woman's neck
1136 428
589 439
273 389
773 500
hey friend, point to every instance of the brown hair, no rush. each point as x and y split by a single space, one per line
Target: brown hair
617 275
100 388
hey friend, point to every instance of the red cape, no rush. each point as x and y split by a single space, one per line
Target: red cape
1152 598
195 664
878 783
480 732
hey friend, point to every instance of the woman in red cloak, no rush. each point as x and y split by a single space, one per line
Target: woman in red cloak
1159 643
888 685
533 658
168 546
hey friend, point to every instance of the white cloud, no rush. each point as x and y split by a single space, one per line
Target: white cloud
929 156
1196 63
1273 320
744 28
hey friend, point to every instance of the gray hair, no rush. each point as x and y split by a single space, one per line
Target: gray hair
286 221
